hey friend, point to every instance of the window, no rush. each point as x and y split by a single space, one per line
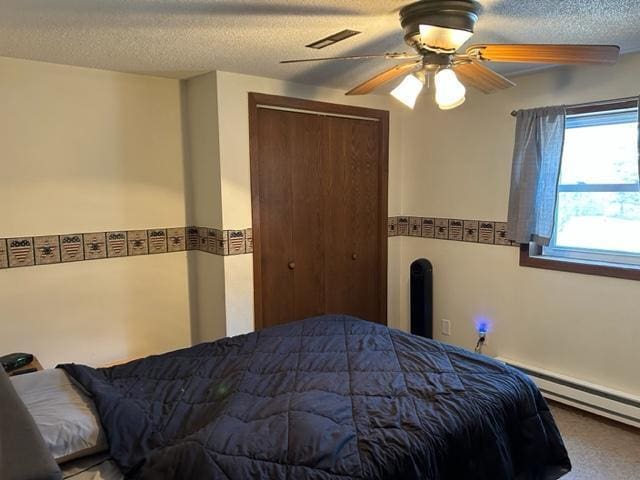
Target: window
598 205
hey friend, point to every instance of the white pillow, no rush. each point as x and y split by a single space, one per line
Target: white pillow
65 416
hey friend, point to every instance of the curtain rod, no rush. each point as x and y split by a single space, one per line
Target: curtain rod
592 104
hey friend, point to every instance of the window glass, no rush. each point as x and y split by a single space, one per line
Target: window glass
598 211
599 221
601 154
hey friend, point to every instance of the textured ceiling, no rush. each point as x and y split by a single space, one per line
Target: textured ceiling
180 38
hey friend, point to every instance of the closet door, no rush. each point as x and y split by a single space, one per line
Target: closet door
319 196
291 197
353 267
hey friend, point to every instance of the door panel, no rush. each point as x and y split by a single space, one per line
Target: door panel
308 217
337 268
353 227
275 131
291 216
363 185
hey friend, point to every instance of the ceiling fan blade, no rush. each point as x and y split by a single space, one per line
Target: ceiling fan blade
476 75
388 56
562 54
383 77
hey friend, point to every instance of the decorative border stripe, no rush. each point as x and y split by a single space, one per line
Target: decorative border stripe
458 230
76 247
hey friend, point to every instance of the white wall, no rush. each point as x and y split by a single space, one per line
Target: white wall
233 121
200 123
457 164
204 204
86 150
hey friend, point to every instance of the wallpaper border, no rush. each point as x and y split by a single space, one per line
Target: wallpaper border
487 232
33 251
76 247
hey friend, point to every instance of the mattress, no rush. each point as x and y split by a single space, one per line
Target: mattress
93 467
331 397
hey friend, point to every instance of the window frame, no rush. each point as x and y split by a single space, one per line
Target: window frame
531 255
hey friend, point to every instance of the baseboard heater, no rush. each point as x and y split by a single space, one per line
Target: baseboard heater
590 397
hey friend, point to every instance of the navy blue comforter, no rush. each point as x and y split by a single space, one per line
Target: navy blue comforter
326 398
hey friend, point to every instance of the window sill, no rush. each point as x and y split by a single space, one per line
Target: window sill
535 260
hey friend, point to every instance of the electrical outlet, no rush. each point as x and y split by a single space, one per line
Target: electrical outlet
482 341
446 327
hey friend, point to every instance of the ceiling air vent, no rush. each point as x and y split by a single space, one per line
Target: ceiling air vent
332 39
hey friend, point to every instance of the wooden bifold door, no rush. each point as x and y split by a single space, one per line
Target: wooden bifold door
319 200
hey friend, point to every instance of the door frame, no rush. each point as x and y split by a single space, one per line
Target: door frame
258 100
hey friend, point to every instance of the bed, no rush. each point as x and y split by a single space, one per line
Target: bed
331 397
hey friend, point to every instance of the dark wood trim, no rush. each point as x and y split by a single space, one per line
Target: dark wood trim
529 257
254 166
257 99
383 212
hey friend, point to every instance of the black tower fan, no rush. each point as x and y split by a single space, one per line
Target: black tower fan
421 273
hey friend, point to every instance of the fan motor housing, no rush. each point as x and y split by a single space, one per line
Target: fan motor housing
453 14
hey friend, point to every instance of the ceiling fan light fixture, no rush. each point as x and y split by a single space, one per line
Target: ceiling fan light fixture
447 39
437 31
450 93
439 25
408 90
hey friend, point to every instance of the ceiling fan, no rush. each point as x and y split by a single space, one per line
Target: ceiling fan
436 29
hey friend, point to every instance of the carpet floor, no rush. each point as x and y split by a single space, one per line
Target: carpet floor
599 449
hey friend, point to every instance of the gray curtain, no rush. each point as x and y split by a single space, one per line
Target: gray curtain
638 140
534 176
